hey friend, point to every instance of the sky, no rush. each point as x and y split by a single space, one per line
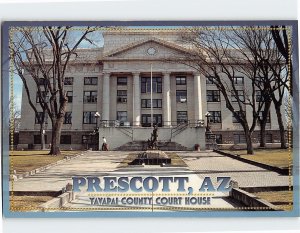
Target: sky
18 85
97 39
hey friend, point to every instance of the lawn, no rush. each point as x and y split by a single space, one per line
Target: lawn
274 157
280 199
25 161
29 203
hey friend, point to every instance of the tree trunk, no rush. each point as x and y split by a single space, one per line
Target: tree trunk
281 127
262 134
263 123
248 141
56 132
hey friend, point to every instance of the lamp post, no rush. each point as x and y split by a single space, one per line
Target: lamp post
97 116
207 115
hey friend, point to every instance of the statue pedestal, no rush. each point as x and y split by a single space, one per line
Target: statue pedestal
152 157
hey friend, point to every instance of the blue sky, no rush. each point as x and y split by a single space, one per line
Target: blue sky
18 85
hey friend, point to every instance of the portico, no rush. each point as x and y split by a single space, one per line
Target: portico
167 100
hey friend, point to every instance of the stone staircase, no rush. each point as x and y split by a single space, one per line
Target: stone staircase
142 145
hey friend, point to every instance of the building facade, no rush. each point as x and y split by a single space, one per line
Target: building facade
115 81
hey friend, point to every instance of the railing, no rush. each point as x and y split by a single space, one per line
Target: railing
127 131
113 123
174 124
183 125
178 129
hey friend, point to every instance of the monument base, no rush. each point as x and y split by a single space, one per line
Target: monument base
151 157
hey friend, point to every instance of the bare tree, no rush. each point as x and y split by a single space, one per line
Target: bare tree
281 37
223 56
44 54
273 76
274 67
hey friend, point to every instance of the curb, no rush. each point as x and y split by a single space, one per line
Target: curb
281 171
58 202
251 200
40 169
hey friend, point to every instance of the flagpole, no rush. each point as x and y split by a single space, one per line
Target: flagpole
151 95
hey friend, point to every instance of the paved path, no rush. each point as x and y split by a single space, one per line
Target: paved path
56 177
200 165
217 199
101 164
213 164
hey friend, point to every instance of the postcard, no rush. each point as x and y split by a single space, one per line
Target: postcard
150 119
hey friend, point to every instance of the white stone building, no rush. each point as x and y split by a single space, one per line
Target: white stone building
115 82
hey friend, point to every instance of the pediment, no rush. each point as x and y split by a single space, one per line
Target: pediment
150 48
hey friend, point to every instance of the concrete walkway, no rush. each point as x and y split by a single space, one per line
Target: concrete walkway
217 199
56 177
200 165
213 164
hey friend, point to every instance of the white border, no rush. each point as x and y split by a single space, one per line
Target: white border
150 10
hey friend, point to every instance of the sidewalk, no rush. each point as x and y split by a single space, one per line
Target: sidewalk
213 165
94 163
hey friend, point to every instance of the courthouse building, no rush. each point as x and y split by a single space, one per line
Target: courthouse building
115 81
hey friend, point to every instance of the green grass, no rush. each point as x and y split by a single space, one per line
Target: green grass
25 161
281 199
273 157
28 203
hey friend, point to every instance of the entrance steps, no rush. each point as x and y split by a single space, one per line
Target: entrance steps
142 145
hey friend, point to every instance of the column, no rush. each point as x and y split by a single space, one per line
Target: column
166 100
136 100
105 99
198 97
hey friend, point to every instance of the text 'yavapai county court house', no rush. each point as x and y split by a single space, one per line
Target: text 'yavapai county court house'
115 81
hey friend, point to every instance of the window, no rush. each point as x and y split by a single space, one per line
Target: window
122 116
209 80
268 117
239 138
90 96
37 139
213 96
240 95
70 96
240 113
219 138
87 139
180 80
68 118
181 96
122 81
215 117
44 96
238 80
39 118
268 138
156 103
68 81
89 118
146 85
65 139
146 120
41 81
259 81
182 117
261 96
90 80
122 96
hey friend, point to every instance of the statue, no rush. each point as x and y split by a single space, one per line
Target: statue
152 142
